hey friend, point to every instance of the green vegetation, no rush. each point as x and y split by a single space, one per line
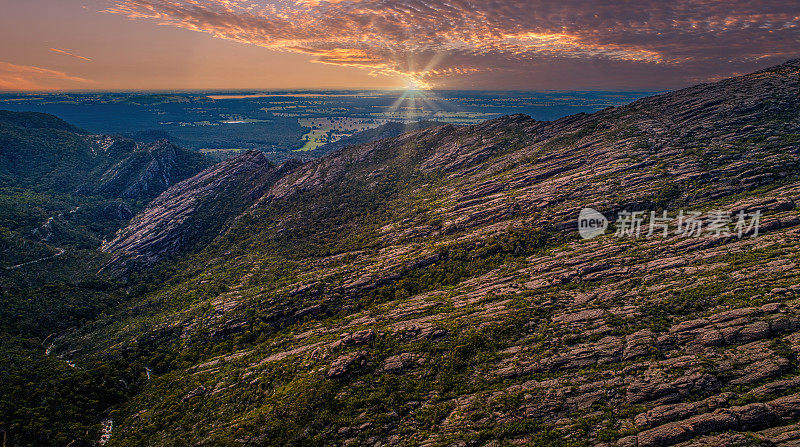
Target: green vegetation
427 290
56 207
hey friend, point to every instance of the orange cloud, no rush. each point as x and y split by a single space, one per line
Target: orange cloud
435 39
67 53
25 77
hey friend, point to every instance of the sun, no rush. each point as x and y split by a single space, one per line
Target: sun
416 84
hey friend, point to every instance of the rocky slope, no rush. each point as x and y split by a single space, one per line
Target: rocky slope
149 170
44 153
191 211
431 289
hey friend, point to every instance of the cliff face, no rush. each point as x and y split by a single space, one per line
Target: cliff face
193 210
43 153
431 289
148 171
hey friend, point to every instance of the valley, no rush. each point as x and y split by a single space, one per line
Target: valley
426 286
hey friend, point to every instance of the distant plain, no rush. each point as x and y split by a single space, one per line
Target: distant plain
289 124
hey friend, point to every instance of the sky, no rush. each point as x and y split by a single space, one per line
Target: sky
376 44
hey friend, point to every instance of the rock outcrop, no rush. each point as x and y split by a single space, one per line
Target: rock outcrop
431 289
149 170
191 211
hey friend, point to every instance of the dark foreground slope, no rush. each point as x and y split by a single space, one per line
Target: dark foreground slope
62 191
431 290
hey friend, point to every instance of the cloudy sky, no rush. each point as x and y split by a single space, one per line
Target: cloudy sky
479 44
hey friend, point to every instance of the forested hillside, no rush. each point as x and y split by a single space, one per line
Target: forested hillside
432 289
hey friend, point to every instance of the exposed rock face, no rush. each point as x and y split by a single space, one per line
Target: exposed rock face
148 171
344 364
406 280
193 210
43 152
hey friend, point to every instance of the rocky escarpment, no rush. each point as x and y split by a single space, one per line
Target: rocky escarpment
42 152
148 170
193 210
431 290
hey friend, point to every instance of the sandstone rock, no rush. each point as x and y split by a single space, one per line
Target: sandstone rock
197 392
191 211
343 364
398 362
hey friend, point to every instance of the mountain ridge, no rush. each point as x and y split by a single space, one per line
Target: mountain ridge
38 147
431 289
228 186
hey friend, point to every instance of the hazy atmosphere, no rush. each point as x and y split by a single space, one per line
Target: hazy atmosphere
365 44
399 223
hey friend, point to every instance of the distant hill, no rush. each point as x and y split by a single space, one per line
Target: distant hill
43 153
35 120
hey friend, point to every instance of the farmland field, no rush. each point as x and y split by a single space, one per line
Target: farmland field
291 124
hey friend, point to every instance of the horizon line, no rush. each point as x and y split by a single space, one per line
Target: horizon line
291 90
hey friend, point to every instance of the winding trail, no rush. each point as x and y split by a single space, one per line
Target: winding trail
59 252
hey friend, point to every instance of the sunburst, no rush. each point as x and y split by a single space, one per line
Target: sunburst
418 100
